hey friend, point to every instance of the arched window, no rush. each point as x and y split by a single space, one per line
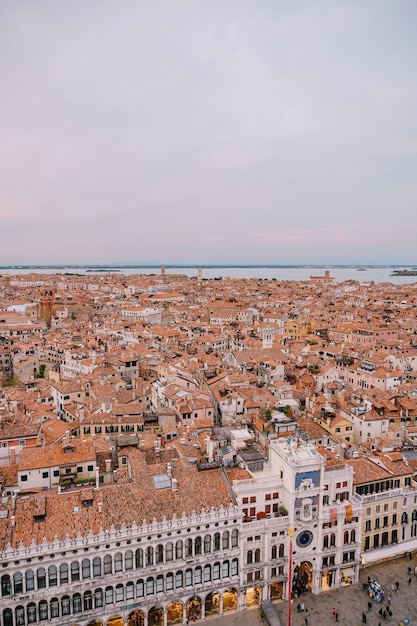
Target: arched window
88 601
85 566
159 553
169 581
18 582
207 544
188 577
108 564
207 573
98 598
75 571
129 560
6 587
76 603
130 591
139 558
257 555
169 552
274 552
216 543
149 555
226 540
54 607
404 518
159 583
20 616
118 562
178 580
108 595
65 605
31 613
346 537
119 593
332 540
188 547
216 571
63 574
178 550
197 546
149 586
325 541
140 588
414 515
30 581
249 557
235 567
52 576
43 610
8 617
96 567
235 538
352 536
41 578
281 550
225 569
198 575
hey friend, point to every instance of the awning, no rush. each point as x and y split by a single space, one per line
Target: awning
349 572
388 552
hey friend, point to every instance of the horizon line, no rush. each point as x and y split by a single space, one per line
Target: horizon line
198 265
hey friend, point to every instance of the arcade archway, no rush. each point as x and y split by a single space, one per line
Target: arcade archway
302 580
253 596
115 620
136 618
95 622
212 604
156 616
230 598
276 591
193 609
175 613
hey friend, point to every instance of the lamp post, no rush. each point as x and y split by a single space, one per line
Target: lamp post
290 534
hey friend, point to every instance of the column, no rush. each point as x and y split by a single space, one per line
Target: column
241 599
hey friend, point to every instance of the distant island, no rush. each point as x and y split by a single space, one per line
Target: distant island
412 272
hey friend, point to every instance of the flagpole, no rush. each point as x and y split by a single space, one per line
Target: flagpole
290 534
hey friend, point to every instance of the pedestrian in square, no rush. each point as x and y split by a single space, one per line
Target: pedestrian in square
409 581
363 617
369 607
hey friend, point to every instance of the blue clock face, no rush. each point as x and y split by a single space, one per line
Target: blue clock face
304 539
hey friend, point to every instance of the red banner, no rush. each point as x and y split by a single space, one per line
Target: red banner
333 517
348 512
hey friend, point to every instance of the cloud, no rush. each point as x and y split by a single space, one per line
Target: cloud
208 130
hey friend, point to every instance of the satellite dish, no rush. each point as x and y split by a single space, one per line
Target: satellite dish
343 445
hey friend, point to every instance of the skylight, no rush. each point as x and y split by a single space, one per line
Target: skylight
161 481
